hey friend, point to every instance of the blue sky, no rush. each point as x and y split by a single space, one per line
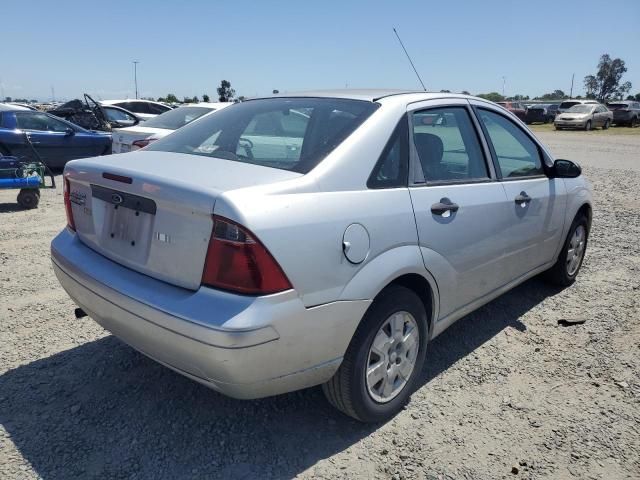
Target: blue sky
187 47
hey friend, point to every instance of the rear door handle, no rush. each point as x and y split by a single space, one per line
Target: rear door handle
522 198
443 206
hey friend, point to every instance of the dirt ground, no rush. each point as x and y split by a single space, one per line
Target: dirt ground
506 392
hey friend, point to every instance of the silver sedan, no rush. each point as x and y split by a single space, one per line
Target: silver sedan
322 238
585 117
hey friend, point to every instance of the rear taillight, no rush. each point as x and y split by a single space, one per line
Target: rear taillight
237 261
142 143
67 204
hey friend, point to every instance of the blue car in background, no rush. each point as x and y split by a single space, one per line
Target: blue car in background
56 141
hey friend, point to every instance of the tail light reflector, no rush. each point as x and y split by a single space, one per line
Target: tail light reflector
67 204
142 143
237 261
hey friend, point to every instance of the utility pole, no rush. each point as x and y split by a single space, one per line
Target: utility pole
2 97
571 91
135 75
504 81
53 94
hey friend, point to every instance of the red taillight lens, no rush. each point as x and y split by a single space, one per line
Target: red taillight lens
67 204
143 143
237 261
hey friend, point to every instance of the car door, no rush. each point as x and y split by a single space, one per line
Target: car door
56 141
459 207
48 136
533 230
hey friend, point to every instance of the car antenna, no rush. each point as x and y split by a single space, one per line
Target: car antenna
412 65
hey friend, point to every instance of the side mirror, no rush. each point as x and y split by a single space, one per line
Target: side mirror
566 169
69 132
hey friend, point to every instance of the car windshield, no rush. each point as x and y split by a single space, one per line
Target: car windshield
287 133
617 106
580 109
566 105
174 119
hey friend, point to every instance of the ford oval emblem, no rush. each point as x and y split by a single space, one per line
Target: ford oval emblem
116 198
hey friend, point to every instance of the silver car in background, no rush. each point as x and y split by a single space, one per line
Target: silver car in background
585 117
139 136
322 238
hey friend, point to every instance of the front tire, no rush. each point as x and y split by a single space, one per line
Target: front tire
383 360
567 267
587 126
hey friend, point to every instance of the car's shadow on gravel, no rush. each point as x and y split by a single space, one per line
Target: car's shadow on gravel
10 207
101 410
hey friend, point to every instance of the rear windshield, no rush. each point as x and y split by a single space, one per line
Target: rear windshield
617 106
287 133
174 119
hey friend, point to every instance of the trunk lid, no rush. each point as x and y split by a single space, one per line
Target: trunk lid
152 211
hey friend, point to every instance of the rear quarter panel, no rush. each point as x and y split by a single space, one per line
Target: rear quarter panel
304 232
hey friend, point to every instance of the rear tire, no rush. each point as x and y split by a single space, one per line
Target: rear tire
606 125
567 267
351 390
28 198
633 122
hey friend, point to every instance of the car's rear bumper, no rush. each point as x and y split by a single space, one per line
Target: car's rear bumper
245 347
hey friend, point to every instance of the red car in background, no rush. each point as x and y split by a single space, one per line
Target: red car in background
518 109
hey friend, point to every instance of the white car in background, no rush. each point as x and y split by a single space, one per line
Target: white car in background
145 109
139 136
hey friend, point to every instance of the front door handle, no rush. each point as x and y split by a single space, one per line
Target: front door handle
444 207
522 198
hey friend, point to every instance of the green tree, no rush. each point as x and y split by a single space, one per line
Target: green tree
445 91
225 92
171 98
205 98
555 95
492 96
464 92
638 97
606 83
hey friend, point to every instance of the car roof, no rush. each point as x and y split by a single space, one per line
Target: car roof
370 94
5 107
207 104
112 102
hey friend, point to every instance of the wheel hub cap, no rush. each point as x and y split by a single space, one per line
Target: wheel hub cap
392 357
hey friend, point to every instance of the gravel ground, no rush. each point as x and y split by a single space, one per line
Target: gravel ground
505 390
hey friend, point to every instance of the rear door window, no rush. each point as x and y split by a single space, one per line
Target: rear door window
447 145
517 155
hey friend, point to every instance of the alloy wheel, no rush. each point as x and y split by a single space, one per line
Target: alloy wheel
576 249
392 357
